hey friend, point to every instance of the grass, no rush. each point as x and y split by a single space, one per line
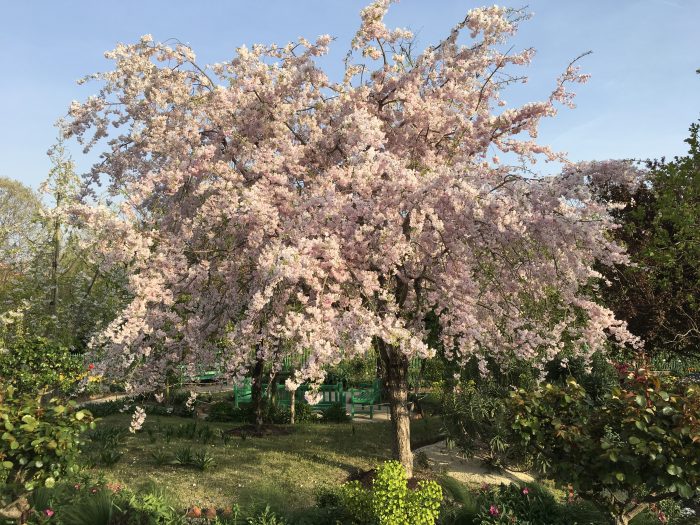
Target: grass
283 471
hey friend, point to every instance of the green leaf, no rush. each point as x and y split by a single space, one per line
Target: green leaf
620 476
79 415
674 470
685 491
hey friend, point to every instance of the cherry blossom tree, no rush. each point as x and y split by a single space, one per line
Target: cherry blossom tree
263 202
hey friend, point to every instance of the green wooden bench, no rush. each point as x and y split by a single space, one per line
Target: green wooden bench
206 376
366 395
243 393
331 395
202 376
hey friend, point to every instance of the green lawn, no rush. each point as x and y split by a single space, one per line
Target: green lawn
284 471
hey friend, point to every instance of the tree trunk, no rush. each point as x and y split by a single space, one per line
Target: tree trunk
292 408
630 514
395 366
621 520
256 392
271 396
55 256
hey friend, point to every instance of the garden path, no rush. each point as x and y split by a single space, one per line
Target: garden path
472 471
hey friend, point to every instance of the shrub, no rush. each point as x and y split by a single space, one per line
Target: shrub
390 502
475 417
93 502
224 411
34 364
40 441
104 408
96 510
335 414
525 504
639 446
304 413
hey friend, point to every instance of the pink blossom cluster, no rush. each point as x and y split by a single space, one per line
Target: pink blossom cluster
267 212
137 420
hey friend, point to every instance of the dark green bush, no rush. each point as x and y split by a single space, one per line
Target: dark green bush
304 413
104 408
225 411
335 414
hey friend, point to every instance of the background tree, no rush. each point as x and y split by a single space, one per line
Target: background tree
20 233
261 200
52 274
659 295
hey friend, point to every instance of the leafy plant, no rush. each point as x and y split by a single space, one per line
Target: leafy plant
304 413
188 431
266 517
390 502
40 438
35 364
183 456
659 295
202 460
110 456
111 436
153 505
638 447
160 456
461 505
224 436
513 503
168 433
206 434
99 509
152 434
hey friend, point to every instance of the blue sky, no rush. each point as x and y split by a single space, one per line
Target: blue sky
642 96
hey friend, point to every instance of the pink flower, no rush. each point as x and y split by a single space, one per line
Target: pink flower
526 491
77 486
493 510
49 512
